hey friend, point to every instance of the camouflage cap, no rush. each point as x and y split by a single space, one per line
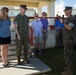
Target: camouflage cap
24 6
67 8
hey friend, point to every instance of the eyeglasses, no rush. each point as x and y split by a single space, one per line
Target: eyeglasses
36 16
7 11
44 15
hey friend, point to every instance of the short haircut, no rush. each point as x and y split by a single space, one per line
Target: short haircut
36 14
44 13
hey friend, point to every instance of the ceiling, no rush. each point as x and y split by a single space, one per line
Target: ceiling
29 0
29 3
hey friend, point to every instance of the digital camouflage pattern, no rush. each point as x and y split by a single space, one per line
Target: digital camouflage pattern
23 24
23 28
68 42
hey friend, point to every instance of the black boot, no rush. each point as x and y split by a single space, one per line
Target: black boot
18 61
26 59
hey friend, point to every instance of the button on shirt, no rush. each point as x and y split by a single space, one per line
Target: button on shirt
5 28
37 26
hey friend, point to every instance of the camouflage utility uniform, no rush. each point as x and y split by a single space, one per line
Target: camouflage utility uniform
23 28
68 42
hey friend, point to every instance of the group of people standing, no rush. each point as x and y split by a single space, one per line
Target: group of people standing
21 24
40 29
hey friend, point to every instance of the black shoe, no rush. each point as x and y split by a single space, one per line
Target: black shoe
57 47
18 61
26 60
6 65
43 50
40 52
36 51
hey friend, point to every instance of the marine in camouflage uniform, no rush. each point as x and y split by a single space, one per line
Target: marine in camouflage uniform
23 29
68 33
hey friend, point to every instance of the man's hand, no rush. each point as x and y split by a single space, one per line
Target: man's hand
59 27
19 38
67 27
44 31
61 20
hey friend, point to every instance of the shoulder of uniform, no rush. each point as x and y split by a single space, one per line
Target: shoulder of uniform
26 16
17 16
73 18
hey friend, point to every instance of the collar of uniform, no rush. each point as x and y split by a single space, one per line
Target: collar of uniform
70 16
22 15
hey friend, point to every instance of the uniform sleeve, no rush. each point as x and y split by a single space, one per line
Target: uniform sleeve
28 21
70 22
16 20
71 25
66 22
28 25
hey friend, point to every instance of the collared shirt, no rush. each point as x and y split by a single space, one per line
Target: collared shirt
37 26
23 24
45 23
5 28
58 23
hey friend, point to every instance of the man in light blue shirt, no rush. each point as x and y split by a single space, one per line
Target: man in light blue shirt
37 27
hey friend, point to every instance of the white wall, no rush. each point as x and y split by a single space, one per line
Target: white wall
74 11
14 12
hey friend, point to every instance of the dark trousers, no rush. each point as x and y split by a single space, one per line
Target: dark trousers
59 39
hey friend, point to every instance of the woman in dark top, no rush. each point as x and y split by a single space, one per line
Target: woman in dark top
5 35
